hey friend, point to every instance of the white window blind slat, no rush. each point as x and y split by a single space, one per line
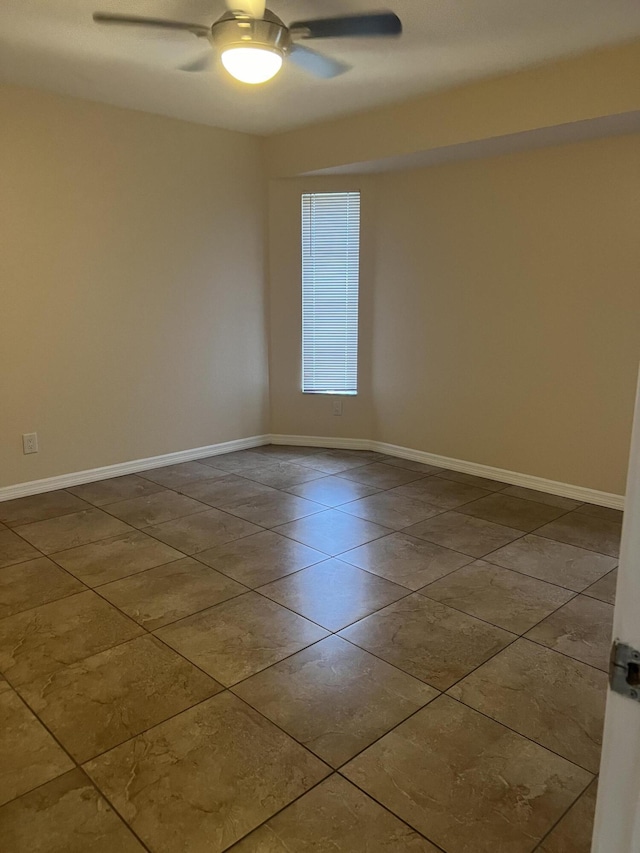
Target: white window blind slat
330 272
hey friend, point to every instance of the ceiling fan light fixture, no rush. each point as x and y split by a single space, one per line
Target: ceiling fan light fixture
253 42
252 50
252 63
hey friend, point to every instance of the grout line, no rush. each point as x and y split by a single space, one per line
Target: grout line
275 814
595 597
91 542
114 809
564 814
148 633
559 652
202 702
387 809
322 781
51 734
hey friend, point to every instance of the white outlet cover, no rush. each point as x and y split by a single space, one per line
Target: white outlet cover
30 442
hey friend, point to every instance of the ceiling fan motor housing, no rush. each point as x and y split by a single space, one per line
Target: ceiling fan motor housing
235 29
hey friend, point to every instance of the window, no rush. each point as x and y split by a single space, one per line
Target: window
330 259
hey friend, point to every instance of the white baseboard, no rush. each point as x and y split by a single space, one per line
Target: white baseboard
324 441
77 478
514 478
529 481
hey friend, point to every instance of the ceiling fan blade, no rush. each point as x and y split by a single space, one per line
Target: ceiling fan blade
316 63
203 63
135 20
374 24
253 8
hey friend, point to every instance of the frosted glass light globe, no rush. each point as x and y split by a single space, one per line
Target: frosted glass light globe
252 64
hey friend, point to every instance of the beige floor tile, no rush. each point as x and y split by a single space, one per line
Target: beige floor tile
175 476
363 457
473 480
546 696
167 593
115 558
105 492
68 531
581 629
39 508
392 510
410 465
97 703
285 452
272 509
574 832
203 530
260 558
443 493
406 560
512 512
35 582
239 460
602 512
333 491
30 756
508 599
334 816
198 769
473 536
67 815
433 642
333 593
382 476
40 641
605 588
282 475
156 509
226 490
565 565
13 549
467 782
334 698
334 462
204 779
332 531
240 637
541 497
585 531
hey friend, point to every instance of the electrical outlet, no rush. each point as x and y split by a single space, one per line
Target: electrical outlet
30 442
337 406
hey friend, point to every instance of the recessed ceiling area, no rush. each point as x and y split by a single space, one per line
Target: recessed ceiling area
57 46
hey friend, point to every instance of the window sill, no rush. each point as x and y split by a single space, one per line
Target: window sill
333 393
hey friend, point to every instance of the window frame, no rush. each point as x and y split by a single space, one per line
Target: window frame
332 392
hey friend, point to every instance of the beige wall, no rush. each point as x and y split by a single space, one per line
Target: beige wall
592 86
499 298
502 304
132 318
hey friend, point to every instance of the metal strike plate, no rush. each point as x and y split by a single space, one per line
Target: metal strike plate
624 670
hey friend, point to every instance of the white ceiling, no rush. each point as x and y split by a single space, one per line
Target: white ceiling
54 44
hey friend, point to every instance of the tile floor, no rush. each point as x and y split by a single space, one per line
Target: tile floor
292 649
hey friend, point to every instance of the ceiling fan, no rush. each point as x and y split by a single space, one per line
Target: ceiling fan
253 41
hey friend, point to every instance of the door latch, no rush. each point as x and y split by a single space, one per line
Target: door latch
624 670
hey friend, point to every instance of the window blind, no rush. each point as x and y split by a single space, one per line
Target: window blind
330 261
